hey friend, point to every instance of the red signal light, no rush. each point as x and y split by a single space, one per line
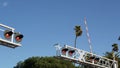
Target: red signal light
8 34
71 52
19 37
96 60
92 57
64 51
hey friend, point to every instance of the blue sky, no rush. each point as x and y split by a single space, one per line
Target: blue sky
46 22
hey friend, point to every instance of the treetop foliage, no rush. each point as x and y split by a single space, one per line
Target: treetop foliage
44 62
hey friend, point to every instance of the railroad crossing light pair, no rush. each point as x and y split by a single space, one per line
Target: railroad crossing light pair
70 52
92 58
8 34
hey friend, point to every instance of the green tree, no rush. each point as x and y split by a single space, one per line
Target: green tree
114 54
20 64
110 56
78 32
45 62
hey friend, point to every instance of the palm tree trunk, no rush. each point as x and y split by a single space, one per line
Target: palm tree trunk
75 41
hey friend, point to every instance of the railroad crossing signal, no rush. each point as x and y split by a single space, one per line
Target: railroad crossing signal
83 57
9 38
18 37
8 34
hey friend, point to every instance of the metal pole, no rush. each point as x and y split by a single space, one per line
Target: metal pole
114 62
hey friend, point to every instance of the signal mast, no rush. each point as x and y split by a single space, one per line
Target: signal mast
83 57
9 37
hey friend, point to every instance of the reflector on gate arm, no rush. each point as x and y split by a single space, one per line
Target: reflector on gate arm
8 37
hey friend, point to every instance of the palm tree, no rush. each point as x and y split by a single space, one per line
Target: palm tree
78 32
114 54
114 51
119 38
116 57
115 47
